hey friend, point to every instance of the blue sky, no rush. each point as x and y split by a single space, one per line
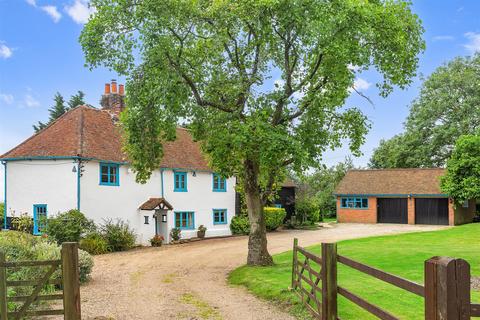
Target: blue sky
40 55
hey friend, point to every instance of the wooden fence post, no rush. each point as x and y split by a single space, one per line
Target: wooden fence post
3 288
294 262
329 281
71 282
447 289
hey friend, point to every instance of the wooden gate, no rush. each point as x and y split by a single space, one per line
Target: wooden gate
446 292
69 282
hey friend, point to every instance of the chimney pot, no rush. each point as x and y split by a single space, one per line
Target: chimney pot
107 88
121 89
114 86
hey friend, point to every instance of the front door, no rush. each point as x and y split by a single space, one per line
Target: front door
39 218
161 223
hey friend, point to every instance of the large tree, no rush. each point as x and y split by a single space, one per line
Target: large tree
448 106
59 108
462 180
214 63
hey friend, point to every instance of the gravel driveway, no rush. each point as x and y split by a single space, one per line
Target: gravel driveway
188 281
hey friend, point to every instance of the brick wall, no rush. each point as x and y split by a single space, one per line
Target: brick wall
411 210
462 215
358 215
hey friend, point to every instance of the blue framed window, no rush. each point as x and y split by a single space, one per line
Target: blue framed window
185 220
354 202
109 174
219 183
277 205
219 216
180 182
39 218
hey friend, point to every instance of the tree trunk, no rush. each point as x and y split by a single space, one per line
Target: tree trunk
257 242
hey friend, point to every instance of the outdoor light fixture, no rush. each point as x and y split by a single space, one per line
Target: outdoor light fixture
194 174
164 218
74 169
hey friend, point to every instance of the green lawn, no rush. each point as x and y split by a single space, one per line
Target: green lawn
402 255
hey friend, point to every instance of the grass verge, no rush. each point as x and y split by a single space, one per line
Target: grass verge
402 255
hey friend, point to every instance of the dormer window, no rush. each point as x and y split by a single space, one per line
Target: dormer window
180 182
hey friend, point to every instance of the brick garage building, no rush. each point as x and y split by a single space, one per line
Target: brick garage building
410 196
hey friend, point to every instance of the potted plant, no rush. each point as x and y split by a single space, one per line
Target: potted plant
157 241
201 231
175 234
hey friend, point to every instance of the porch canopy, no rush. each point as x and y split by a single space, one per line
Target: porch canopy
156 203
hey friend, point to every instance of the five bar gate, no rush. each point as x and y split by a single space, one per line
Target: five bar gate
69 283
446 292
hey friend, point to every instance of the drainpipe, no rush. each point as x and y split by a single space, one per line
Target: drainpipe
78 183
161 178
5 196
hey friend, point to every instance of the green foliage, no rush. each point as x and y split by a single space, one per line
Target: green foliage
447 107
176 234
2 212
211 75
23 223
69 226
118 234
317 190
59 108
156 241
307 211
397 254
86 265
274 217
94 243
462 181
240 225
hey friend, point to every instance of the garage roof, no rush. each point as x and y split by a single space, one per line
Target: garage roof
391 182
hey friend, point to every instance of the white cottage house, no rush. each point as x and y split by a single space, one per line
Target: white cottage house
77 163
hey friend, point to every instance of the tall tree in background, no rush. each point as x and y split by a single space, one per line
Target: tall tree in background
59 108
448 107
211 62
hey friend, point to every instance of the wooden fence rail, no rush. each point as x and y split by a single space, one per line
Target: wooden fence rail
69 282
446 292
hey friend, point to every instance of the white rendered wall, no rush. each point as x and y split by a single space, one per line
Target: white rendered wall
49 182
100 202
201 199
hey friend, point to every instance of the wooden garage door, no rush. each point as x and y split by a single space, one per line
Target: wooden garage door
392 210
431 211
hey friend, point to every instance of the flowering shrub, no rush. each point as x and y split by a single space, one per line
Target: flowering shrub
157 241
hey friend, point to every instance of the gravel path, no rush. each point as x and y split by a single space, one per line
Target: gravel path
188 281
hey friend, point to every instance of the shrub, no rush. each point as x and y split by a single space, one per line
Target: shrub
86 265
157 241
23 223
176 234
69 226
2 210
274 217
307 211
94 243
240 225
118 234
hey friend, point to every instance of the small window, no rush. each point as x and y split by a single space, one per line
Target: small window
146 219
219 183
219 216
354 203
185 220
109 174
180 182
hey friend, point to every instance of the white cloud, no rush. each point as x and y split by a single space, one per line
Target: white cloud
52 12
6 98
79 11
361 84
473 44
30 101
443 38
5 52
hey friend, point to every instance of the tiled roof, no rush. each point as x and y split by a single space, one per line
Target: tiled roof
154 203
391 181
92 133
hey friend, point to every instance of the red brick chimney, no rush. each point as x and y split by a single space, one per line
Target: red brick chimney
112 100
